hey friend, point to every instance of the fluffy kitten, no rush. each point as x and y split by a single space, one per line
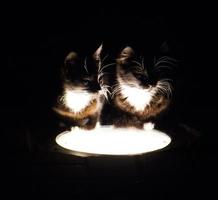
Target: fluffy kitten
81 98
138 96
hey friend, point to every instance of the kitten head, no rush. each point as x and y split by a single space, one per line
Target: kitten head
132 71
81 72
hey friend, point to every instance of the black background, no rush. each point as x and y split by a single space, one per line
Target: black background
39 37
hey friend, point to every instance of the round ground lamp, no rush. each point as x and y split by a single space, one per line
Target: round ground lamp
107 140
110 159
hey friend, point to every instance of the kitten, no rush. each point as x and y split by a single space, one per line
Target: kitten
138 96
81 98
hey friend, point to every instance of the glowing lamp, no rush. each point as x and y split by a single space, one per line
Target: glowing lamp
107 140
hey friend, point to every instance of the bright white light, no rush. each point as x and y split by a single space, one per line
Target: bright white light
77 100
136 96
107 140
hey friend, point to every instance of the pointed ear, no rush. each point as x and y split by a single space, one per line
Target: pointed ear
97 54
71 58
126 53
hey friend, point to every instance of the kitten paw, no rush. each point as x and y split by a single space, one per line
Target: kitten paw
97 125
148 126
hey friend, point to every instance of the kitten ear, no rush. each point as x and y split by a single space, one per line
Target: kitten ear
71 58
97 54
127 53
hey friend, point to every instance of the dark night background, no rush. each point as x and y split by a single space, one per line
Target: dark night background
38 39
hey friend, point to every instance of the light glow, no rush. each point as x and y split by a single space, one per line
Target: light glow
135 95
107 140
77 100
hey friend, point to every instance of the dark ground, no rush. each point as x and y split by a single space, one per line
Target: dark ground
38 40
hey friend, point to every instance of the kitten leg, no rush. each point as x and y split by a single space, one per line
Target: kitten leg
91 123
127 121
98 125
148 126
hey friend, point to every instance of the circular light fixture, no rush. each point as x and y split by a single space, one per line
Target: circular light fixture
107 140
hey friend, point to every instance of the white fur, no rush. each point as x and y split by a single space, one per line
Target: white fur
136 96
77 100
148 126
